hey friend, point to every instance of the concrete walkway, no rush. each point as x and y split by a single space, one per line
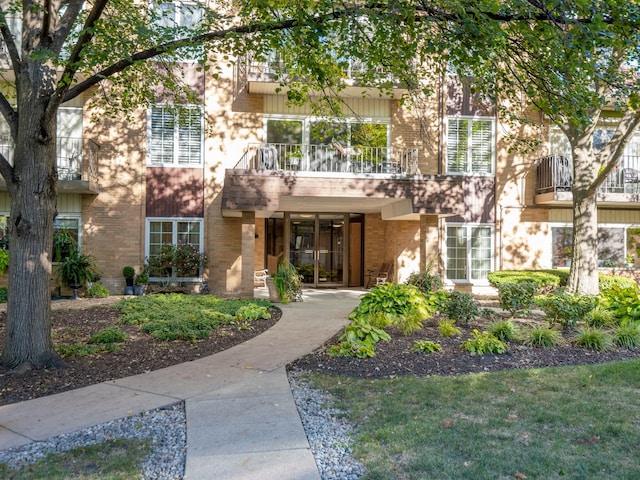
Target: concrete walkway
242 421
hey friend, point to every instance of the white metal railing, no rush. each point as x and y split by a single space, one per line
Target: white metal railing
76 158
555 173
329 158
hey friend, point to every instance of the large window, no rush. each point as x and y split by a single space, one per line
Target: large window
175 136
470 145
469 252
617 246
174 247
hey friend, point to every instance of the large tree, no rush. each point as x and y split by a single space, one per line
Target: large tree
123 49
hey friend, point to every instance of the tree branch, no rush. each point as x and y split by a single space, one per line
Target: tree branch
9 42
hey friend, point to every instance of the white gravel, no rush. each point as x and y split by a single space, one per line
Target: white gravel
328 432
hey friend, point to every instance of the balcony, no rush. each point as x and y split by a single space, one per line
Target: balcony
554 179
265 77
273 178
333 158
77 164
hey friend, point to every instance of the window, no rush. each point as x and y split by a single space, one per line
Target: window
470 145
179 19
174 248
469 253
611 246
66 236
175 136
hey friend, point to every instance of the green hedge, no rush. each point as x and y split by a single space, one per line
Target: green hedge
553 278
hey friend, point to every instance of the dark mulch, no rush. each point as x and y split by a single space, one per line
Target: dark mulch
140 353
395 358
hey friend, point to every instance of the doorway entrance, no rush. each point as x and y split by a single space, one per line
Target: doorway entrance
318 247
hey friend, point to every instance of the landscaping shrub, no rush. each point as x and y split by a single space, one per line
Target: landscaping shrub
358 340
504 330
544 279
108 335
176 328
448 328
517 297
252 312
77 349
541 336
426 282
599 317
593 339
400 305
624 303
483 342
3 295
426 346
461 306
97 290
627 336
607 281
566 308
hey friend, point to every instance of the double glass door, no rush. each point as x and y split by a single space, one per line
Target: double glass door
317 247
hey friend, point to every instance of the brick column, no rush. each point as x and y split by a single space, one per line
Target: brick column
248 252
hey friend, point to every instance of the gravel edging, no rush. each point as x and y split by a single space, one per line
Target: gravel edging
165 427
327 430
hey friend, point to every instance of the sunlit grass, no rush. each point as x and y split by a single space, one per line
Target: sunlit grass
578 422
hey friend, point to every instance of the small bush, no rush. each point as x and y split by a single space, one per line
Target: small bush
627 336
108 335
624 303
598 317
607 281
541 336
593 339
504 330
448 328
182 329
545 279
403 306
3 295
483 342
517 297
252 312
358 340
565 308
426 282
461 306
97 290
426 346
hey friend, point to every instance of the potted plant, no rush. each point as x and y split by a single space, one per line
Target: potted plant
76 270
288 283
128 273
140 282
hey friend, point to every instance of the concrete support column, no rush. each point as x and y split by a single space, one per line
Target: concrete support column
248 252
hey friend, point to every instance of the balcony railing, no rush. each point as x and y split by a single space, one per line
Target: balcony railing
329 158
77 158
555 174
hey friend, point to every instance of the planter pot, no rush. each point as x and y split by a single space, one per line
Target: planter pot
138 290
128 290
273 290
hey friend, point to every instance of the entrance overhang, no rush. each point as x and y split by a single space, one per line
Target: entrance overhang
394 197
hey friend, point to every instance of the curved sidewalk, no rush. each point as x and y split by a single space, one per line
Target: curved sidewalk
242 422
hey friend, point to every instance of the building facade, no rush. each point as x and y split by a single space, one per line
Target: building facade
250 180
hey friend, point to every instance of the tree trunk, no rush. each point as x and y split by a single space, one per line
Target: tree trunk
28 342
583 277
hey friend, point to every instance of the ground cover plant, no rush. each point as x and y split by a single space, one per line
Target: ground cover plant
135 335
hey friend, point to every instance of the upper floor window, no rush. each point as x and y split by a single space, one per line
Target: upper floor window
175 136
179 19
470 145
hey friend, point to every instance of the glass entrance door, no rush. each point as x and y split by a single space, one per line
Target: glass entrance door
317 248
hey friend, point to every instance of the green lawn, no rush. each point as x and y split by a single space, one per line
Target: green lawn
565 423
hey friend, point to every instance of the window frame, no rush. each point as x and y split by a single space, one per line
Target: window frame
176 137
469 259
174 233
469 150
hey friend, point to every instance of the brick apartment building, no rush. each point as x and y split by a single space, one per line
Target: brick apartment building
250 180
